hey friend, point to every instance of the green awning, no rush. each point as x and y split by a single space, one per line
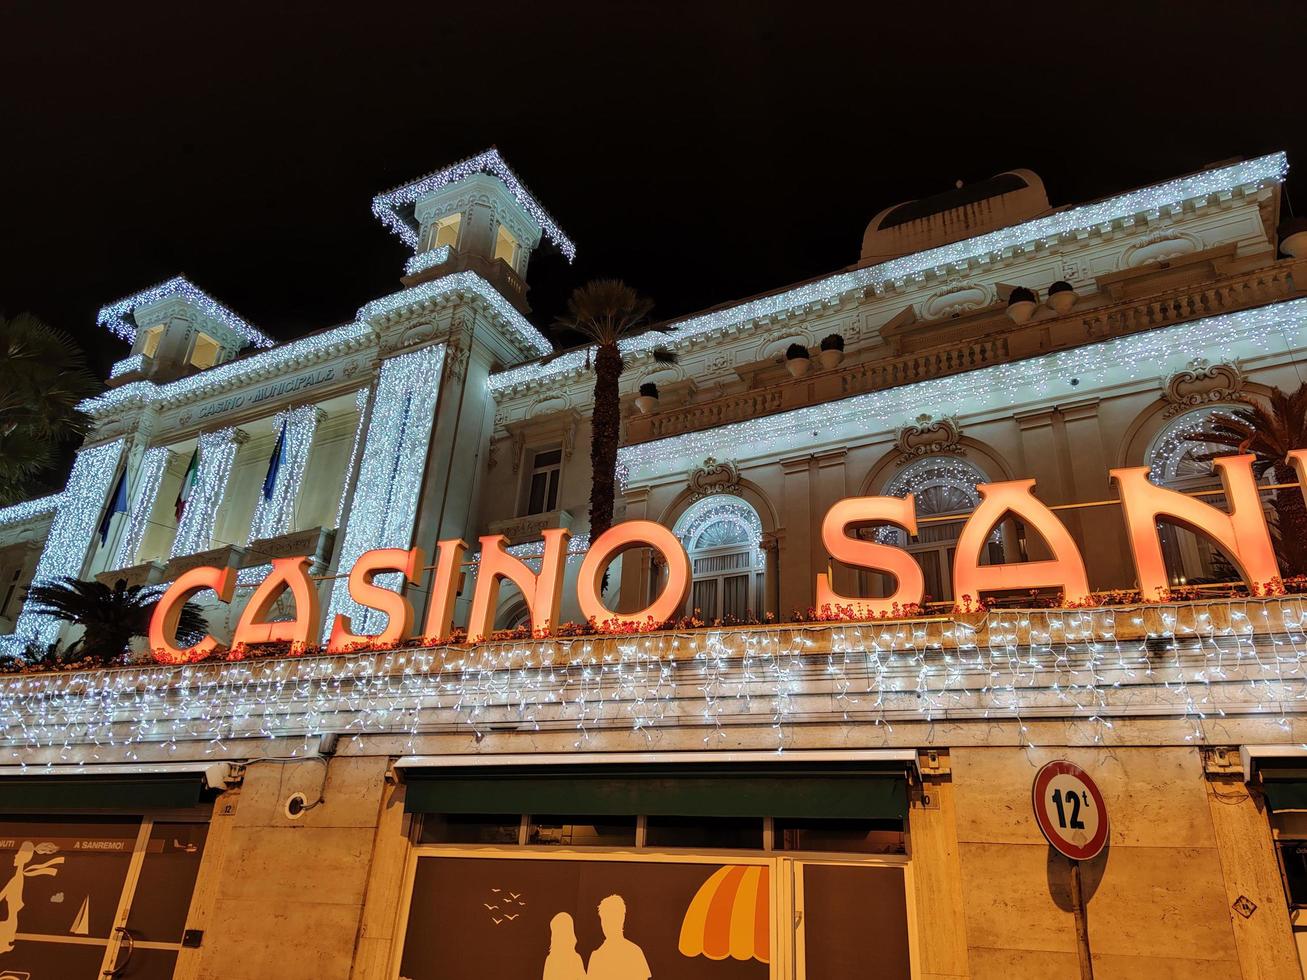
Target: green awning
1284 781
124 793
856 791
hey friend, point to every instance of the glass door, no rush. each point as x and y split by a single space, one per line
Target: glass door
95 896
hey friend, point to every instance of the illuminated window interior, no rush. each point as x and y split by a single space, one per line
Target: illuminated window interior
150 340
444 231
205 352
505 245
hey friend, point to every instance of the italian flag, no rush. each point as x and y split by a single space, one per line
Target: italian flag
188 484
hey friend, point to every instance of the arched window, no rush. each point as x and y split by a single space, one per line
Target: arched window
942 486
722 536
1175 462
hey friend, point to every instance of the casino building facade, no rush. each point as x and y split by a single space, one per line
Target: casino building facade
772 790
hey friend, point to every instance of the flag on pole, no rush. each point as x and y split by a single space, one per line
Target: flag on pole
274 464
188 484
117 505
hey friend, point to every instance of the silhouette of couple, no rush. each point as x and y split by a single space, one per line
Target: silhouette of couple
617 958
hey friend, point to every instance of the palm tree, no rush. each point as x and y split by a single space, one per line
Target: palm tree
1269 430
111 616
43 376
605 311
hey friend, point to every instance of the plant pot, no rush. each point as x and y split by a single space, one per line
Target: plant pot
1295 245
1063 301
797 366
830 358
1021 310
646 404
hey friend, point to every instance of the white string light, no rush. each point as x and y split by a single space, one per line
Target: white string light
1010 665
114 317
274 515
29 509
212 472
131 364
1000 387
389 207
384 505
81 506
426 260
361 409
149 477
303 353
983 248
451 287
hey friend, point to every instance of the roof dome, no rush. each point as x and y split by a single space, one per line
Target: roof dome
971 209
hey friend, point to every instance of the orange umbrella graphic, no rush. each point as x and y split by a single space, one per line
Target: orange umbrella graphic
729 916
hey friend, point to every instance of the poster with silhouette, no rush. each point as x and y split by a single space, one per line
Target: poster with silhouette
473 918
62 882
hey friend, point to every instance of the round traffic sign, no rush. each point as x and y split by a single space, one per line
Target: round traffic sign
1070 810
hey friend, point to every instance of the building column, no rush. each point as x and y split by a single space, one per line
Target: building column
1101 530
832 486
797 590
770 543
274 514
217 453
71 538
1039 459
143 492
638 581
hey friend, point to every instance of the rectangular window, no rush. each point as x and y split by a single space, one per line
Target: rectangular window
506 246
582 831
546 473
205 352
469 828
707 832
850 836
444 231
150 340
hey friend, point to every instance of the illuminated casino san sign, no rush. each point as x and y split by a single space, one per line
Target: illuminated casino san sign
1241 532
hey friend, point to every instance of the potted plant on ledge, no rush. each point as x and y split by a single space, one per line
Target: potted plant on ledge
1061 297
647 400
832 351
797 360
1020 304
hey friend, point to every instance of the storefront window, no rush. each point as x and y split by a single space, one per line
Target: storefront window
470 828
705 832
850 836
582 831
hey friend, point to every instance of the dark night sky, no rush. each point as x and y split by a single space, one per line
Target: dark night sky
702 151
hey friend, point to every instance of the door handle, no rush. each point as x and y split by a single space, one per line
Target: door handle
130 943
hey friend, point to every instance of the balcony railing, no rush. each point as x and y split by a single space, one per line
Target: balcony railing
1235 292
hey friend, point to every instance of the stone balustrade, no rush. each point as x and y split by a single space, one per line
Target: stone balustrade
1191 302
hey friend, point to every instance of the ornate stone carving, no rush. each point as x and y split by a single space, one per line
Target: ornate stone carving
1202 384
1160 246
928 436
714 477
956 300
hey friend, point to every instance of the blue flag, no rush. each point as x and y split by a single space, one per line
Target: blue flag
274 464
116 506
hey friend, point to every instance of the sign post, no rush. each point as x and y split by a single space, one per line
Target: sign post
1072 816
